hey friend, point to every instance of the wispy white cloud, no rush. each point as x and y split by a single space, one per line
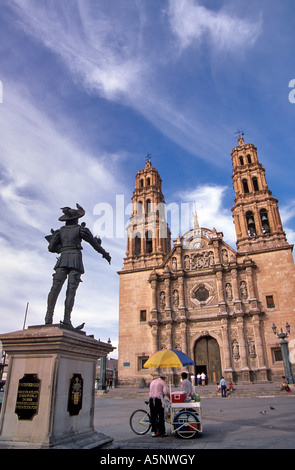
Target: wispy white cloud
94 41
192 23
105 48
208 201
43 169
287 213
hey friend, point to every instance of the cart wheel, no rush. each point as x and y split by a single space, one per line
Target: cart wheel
140 421
186 424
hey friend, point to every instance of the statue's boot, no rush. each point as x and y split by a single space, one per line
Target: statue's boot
73 284
59 278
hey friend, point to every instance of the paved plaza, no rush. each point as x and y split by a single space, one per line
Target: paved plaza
263 421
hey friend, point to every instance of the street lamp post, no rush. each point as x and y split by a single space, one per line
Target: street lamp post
285 351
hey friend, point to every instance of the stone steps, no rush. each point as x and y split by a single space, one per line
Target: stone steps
208 391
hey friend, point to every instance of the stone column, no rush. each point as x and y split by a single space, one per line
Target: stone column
220 293
183 335
252 295
155 338
243 350
153 282
259 349
169 332
168 309
227 369
249 275
236 292
182 308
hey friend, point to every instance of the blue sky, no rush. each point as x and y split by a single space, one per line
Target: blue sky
90 87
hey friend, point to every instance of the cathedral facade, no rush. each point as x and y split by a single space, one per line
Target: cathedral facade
214 303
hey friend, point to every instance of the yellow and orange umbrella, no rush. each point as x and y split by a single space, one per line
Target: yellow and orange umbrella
168 358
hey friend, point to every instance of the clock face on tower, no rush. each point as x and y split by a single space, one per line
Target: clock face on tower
197 244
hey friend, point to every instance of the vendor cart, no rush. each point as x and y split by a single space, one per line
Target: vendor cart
185 419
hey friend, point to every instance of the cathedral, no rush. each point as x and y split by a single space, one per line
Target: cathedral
198 294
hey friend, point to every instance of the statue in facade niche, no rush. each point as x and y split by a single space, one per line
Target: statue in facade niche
162 300
176 298
66 241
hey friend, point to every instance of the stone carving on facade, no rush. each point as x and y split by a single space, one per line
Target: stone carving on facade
228 291
202 293
244 290
174 263
162 300
251 348
187 262
175 298
235 349
224 256
200 260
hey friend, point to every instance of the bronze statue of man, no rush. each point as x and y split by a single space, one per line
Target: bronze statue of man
67 242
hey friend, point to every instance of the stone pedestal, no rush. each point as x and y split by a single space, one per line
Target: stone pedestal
49 391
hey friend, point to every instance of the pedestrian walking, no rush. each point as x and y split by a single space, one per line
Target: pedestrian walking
223 386
203 378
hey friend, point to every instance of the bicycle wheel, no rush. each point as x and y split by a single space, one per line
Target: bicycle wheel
186 424
140 421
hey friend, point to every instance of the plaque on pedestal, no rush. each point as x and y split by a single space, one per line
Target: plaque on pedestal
75 395
28 393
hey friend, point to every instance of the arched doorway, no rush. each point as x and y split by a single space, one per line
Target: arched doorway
207 359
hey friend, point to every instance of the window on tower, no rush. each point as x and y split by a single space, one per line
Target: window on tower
149 242
264 221
137 245
251 224
245 186
270 301
142 316
241 161
139 208
255 184
249 158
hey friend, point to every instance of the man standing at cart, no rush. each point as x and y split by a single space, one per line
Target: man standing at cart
158 390
186 386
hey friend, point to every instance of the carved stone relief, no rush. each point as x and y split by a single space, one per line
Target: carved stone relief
201 293
200 260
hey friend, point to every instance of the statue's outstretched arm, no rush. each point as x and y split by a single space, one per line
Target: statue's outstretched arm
94 242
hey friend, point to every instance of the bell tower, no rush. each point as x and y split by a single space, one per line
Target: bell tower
148 234
255 211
